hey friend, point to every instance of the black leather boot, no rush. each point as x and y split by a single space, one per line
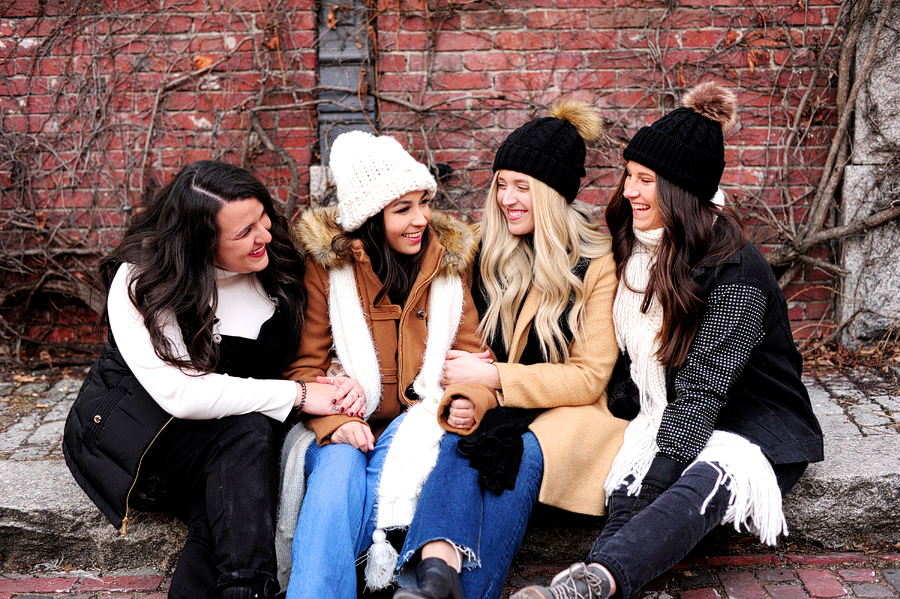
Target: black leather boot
435 579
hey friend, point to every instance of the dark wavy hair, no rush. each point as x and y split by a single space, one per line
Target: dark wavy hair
694 232
173 244
397 272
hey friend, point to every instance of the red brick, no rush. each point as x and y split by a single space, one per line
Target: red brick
488 19
492 61
588 40
406 41
741 560
828 559
776 575
392 63
554 60
857 575
121 583
703 38
786 591
584 79
741 585
523 81
461 81
700 594
821 583
557 19
37 585
509 40
461 41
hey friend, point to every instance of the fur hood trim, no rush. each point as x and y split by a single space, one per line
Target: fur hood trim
316 227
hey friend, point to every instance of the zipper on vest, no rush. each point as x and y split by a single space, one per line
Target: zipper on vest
123 531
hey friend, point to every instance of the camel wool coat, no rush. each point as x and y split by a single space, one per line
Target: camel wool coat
578 435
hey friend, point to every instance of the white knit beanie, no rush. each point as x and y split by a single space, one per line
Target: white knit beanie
371 172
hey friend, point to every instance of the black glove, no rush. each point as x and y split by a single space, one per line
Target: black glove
662 473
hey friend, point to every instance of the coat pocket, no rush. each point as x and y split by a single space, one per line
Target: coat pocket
97 421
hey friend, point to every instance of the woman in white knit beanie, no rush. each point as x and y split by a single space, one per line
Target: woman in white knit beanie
387 301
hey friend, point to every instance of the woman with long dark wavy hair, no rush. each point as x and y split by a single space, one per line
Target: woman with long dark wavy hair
182 412
387 300
722 424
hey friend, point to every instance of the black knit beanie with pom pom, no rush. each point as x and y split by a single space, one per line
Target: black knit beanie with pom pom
687 146
552 149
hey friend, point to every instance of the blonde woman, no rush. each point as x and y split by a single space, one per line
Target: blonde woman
532 425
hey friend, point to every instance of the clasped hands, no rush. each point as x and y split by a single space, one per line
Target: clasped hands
459 367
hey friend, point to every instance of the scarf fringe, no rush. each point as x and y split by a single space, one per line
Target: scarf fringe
755 503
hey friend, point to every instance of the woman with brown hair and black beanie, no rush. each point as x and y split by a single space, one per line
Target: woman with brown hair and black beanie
182 411
723 425
534 425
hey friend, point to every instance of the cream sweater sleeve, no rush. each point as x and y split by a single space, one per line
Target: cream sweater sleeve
187 395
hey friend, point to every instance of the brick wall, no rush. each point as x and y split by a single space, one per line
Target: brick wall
632 59
83 82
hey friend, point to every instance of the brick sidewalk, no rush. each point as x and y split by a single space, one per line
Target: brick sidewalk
775 576
772 576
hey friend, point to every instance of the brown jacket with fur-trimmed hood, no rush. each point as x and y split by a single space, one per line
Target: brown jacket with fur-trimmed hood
398 332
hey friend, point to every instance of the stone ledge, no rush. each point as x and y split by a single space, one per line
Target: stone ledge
45 517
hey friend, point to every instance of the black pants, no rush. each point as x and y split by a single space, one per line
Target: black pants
220 478
638 549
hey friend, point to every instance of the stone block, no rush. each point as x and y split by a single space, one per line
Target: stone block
870 295
44 513
877 121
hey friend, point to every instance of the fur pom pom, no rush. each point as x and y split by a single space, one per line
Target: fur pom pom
714 102
582 115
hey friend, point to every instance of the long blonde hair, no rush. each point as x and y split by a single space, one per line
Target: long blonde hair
563 234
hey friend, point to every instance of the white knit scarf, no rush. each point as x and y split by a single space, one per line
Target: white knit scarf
755 501
415 446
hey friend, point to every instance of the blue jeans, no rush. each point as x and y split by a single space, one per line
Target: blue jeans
637 549
337 519
487 527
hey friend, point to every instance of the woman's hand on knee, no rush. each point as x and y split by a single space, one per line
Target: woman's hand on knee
357 434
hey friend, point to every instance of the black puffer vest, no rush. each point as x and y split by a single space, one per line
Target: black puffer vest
114 421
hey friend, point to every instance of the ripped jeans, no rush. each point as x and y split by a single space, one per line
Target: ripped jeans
486 527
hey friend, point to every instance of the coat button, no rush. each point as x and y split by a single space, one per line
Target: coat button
421 314
97 419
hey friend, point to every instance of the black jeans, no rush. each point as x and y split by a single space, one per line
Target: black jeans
220 478
638 549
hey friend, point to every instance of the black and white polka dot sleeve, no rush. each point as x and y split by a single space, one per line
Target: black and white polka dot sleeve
730 328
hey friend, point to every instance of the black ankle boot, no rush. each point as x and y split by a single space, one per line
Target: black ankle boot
435 579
